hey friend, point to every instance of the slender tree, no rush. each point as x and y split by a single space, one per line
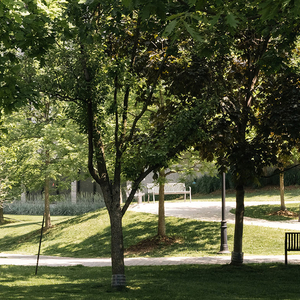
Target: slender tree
40 146
243 59
108 64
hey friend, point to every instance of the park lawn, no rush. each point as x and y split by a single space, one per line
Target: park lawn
88 235
267 194
226 282
272 212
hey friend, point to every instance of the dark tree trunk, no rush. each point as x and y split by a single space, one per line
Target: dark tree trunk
47 179
161 205
281 180
1 215
237 254
47 205
117 248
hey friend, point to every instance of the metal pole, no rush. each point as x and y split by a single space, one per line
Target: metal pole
41 236
224 246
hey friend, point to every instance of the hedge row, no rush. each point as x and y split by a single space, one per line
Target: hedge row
207 184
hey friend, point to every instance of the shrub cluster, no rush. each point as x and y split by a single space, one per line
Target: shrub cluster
291 177
208 184
58 208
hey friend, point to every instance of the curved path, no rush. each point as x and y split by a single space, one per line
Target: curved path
206 211
211 211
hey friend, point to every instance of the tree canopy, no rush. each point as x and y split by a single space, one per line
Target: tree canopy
146 79
109 64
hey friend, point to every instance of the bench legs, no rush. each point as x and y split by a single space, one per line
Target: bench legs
285 255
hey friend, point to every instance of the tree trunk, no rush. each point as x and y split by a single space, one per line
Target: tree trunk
117 248
47 180
1 215
47 204
161 204
74 192
237 254
281 183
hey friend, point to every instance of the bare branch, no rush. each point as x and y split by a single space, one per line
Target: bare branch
147 101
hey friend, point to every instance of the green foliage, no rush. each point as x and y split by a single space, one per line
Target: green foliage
113 68
36 147
247 60
19 208
23 27
291 177
62 208
207 184
61 205
272 9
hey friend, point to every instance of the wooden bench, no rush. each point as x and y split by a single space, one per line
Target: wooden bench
292 243
170 189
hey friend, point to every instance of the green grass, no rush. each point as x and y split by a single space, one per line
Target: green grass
88 235
226 282
270 193
266 212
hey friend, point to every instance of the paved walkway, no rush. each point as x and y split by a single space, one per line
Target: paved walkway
51 261
206 211
211 211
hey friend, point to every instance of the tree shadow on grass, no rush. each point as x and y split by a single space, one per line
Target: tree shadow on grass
21 224
189 235
97 245
257 281
193 236
31 238
269 212
54 283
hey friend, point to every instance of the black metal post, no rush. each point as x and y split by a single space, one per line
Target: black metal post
224 246
41 236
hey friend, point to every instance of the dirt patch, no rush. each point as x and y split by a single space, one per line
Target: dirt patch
285 213
151 244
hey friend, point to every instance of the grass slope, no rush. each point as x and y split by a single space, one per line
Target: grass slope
88 235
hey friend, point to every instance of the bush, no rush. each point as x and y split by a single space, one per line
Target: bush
207 184
85 203
292 177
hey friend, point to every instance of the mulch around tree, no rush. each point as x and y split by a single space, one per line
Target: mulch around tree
285 213
151 244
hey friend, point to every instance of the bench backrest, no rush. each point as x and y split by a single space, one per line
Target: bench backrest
292 241
169 187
